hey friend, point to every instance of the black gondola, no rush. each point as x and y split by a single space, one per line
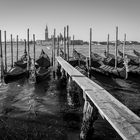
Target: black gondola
42 67
134 60
136 53
18 71
98 66
15 74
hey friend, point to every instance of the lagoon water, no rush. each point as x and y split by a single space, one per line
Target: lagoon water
42 111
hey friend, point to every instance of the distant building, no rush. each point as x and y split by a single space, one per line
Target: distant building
46 34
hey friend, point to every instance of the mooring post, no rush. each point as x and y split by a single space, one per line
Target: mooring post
67 43
11 51
73 93
69 92
28 54
116 47
63 81
54 46
58 39
17 47
107 49
58 71
28 42
90 43
90 115
1 58
5 44
34 48
73 47
25 51
52 50
124 45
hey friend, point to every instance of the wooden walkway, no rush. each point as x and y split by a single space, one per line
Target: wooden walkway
123 120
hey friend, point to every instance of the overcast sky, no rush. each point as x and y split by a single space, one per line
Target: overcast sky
101 15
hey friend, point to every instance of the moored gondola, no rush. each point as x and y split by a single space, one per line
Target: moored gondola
42 67
98 66
134 60
15 74
136 53
18 71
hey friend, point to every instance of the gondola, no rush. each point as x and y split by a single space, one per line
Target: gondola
78 59
18 71
133 59
42 67
98 66
136 53
22 62
110 60
15 73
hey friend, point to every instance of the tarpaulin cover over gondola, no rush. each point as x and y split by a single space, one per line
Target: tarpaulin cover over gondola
44 60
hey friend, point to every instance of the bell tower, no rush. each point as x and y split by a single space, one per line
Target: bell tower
46 33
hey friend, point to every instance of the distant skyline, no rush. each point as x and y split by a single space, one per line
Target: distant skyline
16 16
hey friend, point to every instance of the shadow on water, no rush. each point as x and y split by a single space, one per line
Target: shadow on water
126 91
40 111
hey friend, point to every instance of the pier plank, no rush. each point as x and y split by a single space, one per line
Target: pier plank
122 119
68 68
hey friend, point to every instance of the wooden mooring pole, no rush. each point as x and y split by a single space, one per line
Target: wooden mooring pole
28 53
73 46
1 58
54 46
116 47
90 43
107 49
17 47
28 42
11 51
34 48
58 39
67 43
5 44
124 45
25 50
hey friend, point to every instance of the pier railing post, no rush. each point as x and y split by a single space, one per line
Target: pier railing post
90 115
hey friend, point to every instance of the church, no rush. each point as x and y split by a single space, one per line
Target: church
47 40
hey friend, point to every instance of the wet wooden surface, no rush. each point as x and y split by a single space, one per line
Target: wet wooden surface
123 120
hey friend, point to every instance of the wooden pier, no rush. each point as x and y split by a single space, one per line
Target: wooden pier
123 120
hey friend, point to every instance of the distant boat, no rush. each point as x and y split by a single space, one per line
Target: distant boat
43 67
